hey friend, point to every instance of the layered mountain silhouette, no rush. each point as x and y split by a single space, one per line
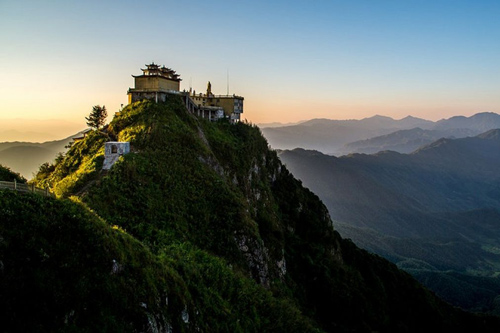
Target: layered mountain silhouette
374 134
433 212
26 157
403 141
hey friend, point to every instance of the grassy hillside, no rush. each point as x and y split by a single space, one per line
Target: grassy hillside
225 229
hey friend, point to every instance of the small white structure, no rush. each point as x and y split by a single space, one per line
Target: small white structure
112 152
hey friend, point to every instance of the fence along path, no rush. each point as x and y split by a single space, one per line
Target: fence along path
21 187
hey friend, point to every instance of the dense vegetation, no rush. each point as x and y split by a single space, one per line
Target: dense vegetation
68 270
7 175
199 228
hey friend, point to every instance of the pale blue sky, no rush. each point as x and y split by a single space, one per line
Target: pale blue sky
291 60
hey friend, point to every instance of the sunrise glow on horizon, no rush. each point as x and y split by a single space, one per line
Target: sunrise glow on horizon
292 61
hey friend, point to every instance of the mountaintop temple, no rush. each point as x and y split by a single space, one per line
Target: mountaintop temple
158 83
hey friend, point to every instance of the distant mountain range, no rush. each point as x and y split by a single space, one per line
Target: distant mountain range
403 141
434 212
374 134
26 157
36 130
278 124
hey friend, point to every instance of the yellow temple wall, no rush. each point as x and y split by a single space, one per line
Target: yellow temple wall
156 82
227 104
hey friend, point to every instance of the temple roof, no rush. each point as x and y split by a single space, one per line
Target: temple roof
155 70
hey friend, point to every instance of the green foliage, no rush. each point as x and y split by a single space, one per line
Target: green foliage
97 117
226 302
166 192
63 269
245 158
80 274
8 175
71 171
44 171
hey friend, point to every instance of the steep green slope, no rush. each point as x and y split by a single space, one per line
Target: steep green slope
212 202
62 268
65 269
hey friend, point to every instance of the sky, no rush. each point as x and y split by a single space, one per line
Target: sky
291 60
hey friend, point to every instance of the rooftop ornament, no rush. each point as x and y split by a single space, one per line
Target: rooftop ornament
155 70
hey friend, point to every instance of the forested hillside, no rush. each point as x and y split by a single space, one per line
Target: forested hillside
199 228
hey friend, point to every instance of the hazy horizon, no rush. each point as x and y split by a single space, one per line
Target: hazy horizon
38 130
43 130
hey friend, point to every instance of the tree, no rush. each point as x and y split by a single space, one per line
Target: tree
97 117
